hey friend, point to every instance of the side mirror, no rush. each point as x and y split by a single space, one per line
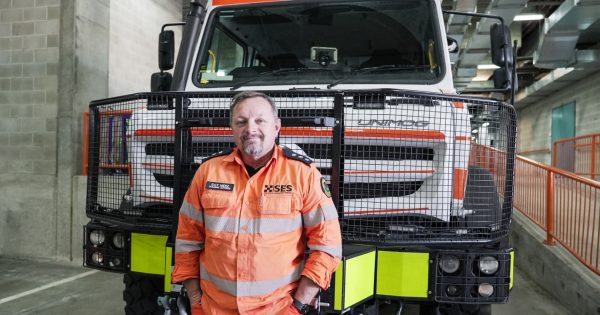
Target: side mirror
501 45
166 50
161 81
452 45
503 78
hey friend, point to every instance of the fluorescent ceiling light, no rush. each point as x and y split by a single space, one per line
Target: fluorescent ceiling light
479 79
487 67
529 17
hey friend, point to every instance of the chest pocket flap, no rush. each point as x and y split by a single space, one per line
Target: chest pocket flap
277 204
212 202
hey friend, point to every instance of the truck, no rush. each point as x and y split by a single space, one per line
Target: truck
421 175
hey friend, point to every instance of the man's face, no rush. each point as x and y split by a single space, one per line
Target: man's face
254 127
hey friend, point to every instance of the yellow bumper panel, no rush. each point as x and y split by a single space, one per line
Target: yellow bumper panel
168 268
148 254
512 269
354 280
402 274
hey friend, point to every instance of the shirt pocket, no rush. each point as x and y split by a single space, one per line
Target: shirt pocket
214 203
277 205
220 227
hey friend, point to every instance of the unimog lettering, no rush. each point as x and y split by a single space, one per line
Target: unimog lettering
391 123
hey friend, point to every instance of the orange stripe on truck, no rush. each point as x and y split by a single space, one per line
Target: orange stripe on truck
460 180
308 132
226 2
384 211
458 104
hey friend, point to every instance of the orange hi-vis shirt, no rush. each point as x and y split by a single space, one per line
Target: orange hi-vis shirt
245 237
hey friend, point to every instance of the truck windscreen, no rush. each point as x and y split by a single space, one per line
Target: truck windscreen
324 42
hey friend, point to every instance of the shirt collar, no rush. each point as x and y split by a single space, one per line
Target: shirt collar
236 157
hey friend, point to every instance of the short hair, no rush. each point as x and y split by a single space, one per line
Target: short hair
238 98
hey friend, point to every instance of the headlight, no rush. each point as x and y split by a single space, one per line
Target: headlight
449 263
97 237
115 262
488 265
452 290
118 240
97 258
485 290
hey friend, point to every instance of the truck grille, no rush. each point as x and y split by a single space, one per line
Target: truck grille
369 152
414 169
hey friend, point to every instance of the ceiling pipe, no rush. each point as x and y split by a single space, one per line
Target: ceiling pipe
557 42
587 63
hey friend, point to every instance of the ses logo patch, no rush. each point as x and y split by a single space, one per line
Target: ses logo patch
277 189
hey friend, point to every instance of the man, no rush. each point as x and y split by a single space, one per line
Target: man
246 221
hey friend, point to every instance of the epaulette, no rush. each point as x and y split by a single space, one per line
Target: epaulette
289 153
220 153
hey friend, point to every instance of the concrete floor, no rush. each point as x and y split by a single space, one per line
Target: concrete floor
29 287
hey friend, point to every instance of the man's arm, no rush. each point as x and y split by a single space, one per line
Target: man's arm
192 286
189 242
307 290
322 230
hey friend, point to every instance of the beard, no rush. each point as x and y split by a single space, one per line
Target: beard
253 146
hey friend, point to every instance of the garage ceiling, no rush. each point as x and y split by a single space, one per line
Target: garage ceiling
553 52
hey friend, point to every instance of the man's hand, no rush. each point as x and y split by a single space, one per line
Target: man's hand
192 286
306 292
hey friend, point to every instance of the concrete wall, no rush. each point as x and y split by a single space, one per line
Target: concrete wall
55 57
29 59
535 121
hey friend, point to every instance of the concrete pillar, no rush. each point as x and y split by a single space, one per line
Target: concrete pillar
84 77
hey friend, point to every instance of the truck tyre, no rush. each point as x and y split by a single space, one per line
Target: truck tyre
481 196
141 293
455 309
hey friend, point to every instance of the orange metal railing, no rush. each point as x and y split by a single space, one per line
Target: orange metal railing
565 205
579 155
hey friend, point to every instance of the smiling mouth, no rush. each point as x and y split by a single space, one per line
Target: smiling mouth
249 139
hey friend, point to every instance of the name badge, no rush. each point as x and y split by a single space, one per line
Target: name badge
219 186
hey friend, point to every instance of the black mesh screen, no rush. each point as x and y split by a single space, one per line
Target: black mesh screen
403 167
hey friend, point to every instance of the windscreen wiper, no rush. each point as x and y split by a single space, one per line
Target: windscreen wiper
378 68
272 72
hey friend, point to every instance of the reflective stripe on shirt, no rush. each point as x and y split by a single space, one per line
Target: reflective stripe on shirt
189 211
319 215
251 288
252 225
184 246
334 251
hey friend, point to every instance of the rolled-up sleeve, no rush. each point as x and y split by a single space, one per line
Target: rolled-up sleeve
322 230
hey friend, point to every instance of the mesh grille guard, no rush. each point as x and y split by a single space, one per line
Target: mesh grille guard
417 168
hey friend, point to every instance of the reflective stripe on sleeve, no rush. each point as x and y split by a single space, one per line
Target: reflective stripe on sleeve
252 225
251 288
334 251
189 211
185 246
319 215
